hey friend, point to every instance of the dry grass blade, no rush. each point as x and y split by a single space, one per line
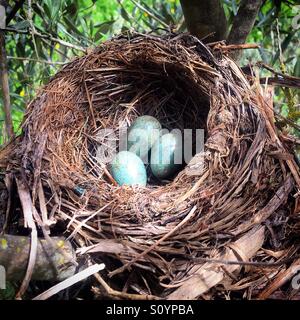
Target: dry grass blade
89 271
280 280
205 276
185 220
28 216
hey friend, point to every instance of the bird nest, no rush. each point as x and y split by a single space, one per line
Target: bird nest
223 224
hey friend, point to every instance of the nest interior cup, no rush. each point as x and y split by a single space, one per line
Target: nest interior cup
155 234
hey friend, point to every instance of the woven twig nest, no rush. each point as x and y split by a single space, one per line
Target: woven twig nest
227 207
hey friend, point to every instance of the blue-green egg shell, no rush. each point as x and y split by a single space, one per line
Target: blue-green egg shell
142 134
166 156
128 169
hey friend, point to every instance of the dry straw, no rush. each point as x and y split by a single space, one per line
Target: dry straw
223 224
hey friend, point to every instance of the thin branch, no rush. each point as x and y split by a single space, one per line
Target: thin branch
48 43
33 31
281 82
239 46
45 36
129 14
129 296
14 11
38 61
150 14
62 42
244 263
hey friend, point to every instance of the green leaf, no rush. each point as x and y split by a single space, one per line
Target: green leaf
167 18
234 7
104 27
263 55
297 68
266 19
40 48
55 6
284 45
83 25
72 9
70 24
47 10
38 9
125 15
20 49
290 59
148 23
21 25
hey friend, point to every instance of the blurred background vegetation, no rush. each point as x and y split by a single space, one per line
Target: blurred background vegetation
46 34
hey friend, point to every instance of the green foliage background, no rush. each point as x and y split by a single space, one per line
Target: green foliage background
48 33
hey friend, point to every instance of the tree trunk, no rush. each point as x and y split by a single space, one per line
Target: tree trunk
243 23
205 19
55 261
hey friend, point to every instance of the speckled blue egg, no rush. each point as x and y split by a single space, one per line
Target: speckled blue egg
142 134
166 156
128 169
